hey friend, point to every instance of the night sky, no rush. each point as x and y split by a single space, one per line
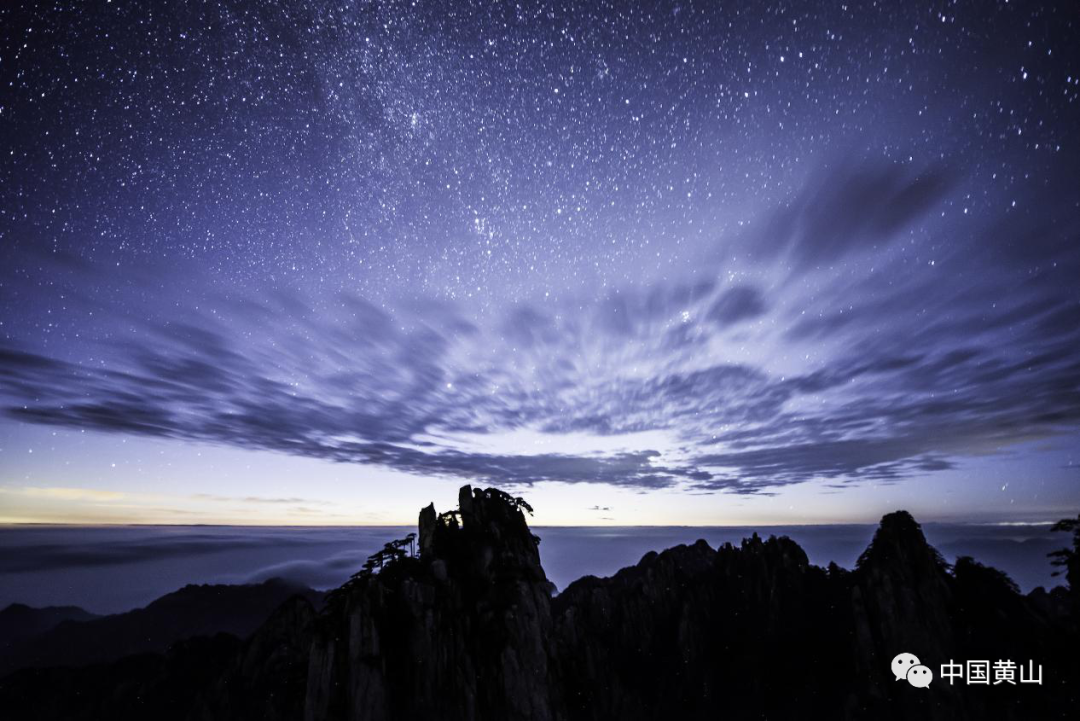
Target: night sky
643 263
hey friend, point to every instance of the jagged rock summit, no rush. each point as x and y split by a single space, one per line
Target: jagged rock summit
461 632
463 624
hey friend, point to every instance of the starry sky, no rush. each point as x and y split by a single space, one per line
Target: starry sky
644 263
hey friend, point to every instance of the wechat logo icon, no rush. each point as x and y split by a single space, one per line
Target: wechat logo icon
907 666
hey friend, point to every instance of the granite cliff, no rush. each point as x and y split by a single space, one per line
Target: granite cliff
466 626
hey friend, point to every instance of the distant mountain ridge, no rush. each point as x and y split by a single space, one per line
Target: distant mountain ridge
19 621
469 629
70 636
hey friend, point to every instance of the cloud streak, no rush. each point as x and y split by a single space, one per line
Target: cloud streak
790 365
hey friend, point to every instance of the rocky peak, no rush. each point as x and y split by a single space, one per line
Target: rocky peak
462 632
899 545
901 599
487 538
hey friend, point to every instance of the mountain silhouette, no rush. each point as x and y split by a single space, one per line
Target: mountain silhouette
19 621
78 638
468 628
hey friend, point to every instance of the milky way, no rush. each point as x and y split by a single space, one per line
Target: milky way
681 247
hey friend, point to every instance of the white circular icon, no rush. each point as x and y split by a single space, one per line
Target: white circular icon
920 676
903 663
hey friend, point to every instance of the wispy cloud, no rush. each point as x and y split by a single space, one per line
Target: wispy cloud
70 494
784 366
257 500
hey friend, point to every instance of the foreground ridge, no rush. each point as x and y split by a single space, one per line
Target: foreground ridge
463 624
